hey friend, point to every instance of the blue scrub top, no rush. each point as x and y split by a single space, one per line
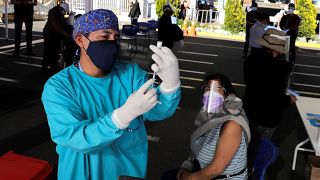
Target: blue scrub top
79 109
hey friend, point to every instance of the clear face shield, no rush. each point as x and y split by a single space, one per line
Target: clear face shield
213 97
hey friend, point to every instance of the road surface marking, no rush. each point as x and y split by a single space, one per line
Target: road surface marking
201 62
203 54
307 74
8 79
307 65
28 64
213 45
307 85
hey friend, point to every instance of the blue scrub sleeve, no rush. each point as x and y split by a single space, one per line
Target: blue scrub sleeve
168 106
68 127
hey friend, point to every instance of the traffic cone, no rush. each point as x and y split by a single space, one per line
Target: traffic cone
185 31
192 31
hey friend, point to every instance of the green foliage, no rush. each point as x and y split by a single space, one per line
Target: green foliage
174 3
159 7
235 16
308 14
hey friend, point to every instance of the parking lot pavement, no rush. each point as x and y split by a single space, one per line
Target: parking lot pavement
26 130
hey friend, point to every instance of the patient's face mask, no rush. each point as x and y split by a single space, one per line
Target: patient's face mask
290 11
213 97
254 8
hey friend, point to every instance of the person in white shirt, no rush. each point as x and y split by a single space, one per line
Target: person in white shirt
256 31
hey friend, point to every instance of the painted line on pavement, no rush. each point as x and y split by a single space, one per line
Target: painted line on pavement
213 45
308 93
203 54
308 55
195 72
306 85
201 62
307 74
31 57
307 65
22 44
28 64
6 39
8 79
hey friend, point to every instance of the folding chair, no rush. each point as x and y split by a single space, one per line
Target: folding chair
129 33
144 32
266 155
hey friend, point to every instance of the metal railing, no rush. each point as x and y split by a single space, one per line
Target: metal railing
119 7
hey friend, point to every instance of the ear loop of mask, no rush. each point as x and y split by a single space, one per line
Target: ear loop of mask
88 40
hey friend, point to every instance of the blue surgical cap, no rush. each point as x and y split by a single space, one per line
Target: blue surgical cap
95 20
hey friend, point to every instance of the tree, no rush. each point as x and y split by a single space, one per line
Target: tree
234 17
159 7
174 3
308 14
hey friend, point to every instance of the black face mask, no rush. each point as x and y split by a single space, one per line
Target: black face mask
103 53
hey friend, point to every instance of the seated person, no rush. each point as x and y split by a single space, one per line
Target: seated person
219 144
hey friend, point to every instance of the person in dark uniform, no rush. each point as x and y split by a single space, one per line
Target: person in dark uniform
134 12
169 33
183 10
291 22
23 13
251 18
54 32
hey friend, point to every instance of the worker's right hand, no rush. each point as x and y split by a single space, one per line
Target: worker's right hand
137 104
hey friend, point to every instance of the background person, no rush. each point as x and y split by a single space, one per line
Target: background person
54 32
96 108
169 33
265 95
290 22
183 10
256 32
23 13
219 144
134 12
251 18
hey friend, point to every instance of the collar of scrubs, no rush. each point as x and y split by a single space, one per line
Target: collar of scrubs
79 67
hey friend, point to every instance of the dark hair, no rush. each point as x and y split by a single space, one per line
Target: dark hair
291 5
225 82
254 4
167 10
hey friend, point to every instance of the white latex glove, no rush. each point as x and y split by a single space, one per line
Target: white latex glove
137 104
166 67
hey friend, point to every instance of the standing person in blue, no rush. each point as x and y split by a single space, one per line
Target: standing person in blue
251 18
96 108
23 13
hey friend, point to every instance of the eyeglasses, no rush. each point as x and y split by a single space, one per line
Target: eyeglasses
207 88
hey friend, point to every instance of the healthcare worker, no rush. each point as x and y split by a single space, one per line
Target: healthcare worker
96 108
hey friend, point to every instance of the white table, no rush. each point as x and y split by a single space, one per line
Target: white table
308 105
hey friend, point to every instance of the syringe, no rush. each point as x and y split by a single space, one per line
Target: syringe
159 45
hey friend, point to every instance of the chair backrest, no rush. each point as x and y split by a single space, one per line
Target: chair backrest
129 30
144 27
153 24
266 155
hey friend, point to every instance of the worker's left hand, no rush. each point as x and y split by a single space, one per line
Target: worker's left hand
166 67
